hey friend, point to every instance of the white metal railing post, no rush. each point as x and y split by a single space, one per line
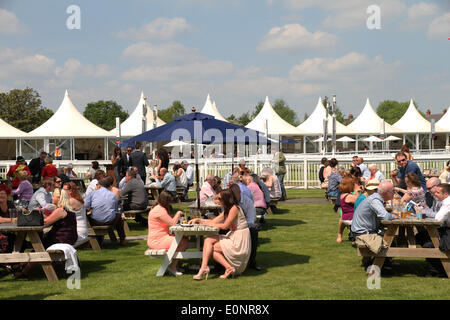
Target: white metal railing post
305 173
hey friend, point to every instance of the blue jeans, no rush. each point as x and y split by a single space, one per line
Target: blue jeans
280 177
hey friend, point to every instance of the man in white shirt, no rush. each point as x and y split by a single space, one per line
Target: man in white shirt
207 190
375 173
364 170
99 175
443 215
189 176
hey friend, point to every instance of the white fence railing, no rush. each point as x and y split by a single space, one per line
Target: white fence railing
301 173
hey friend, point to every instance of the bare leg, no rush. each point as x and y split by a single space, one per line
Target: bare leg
340 230
184 243
208 248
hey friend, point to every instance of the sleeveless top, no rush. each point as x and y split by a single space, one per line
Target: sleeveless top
64 230
347 209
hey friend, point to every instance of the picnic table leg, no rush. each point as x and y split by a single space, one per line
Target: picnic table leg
38 247
18 243
434 235
388 237
169 255
411 238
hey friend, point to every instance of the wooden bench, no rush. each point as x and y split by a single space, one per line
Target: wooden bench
155 253
273 204
131 215
332 200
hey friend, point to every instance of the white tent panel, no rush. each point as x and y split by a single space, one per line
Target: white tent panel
275 124
132 126
444 122
68 122
368 122
211 109
345 139
413 122
8 131
314 123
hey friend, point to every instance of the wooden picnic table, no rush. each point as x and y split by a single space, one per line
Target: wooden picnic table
153 192
412 251
40 256
215 208
197 231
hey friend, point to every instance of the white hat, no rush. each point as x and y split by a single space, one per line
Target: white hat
372 184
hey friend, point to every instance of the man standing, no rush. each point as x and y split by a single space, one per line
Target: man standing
125 161
168 182
103 203
36 166
404 167
139 159
189 176
280 166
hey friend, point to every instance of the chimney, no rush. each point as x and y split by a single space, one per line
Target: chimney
428 113
350 116
444 111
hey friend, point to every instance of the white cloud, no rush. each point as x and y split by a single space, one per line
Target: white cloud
422 10
295 37
73 68
9 24
439 28
159 29
18 64
171 52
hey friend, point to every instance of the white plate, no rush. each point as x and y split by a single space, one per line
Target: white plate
186 225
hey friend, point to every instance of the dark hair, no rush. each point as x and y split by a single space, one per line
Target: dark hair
75 191
255 178
448 163
117 149
333 162
445 187
356 172
323 161
165 200
400 154
176 166
413 179
4 187
106 181
163 155
404 148
99 174
95 165
230 197
138 144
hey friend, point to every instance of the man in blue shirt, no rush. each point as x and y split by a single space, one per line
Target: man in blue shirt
103 203
168 182
405 167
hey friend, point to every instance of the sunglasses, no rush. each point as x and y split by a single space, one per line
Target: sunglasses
58 181
401 160
219 198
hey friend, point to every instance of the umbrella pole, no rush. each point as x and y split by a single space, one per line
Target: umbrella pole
232 159
197 174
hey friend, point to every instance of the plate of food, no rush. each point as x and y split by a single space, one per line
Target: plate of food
186 225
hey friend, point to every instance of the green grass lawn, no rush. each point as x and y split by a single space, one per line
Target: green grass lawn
298 254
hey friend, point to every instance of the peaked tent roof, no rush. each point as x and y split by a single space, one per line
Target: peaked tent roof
132 126
8 131
314 123
369 122
413 122
276 125
444 122
69 122
211 109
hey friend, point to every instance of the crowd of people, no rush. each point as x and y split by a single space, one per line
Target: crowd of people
362 195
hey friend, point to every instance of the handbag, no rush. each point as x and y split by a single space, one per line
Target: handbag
27 218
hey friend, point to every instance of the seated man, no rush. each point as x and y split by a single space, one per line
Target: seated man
168 182
43 196
430 199
207 189
124 180
375 173
99 175
103 203
441 194
334 180
226 180
367 216
258 196
137 194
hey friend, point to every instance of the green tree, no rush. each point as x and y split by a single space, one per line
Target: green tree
391 111
23 109
170 113
244 119
104 113
282 109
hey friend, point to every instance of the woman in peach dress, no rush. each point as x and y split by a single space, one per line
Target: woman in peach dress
231 250
159 222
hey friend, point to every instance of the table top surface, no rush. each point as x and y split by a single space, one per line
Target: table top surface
195 228
11 227
413 221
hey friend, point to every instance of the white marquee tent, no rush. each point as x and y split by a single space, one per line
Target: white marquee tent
9 136
444 123
269 121
132 126
211 109
369 123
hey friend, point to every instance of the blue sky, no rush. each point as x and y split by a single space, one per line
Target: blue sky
236 51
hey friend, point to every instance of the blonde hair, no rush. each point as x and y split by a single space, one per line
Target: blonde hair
64 200
23 175
48 160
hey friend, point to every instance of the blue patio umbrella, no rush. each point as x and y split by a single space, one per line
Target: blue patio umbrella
289 141
202 128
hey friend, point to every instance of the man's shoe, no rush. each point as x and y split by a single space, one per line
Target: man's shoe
255 267
123 243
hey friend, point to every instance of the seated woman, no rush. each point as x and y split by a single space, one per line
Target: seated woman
75 204
25 190
6 239
231 250
414 190
271 181
180 176
348 196
159 222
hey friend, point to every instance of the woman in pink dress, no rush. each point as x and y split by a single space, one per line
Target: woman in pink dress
231 250
159 222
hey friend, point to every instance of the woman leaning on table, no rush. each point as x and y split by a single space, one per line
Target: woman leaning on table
159 222
231 250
